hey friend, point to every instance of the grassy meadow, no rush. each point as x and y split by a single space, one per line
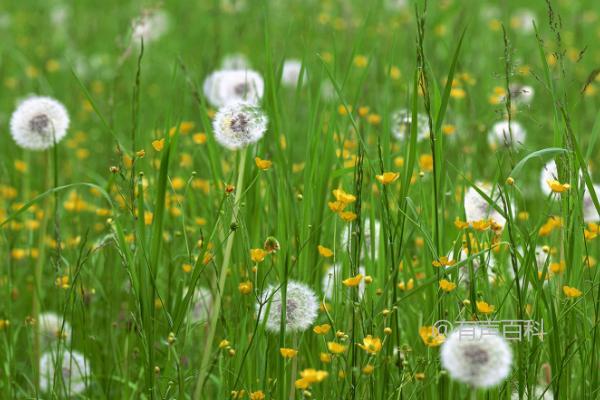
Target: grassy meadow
142 259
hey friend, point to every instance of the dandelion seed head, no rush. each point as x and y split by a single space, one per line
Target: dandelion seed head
290 75
522 94
477 208
332 281
235 61
201 307
52 329
229 86
74 372
238 125
590 214
150 26
301 307
477 357
500 134
370 240
401 125
38 122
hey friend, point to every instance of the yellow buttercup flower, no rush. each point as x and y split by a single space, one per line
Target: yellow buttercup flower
571 292
558 187
288 353
322 329
158 144
258 255
263 164
371 345
387 177
431 336
336 348
447 286
484 307
324 251
353 282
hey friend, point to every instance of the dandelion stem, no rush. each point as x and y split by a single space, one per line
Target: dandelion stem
214 317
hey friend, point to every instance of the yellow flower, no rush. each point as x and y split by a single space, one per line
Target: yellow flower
484 307
420 376
571 292
336 206
460 224
371 345
368 369
361 61
322 329
324 251
258 255
224 344
558 187
336 348
353 282
310 376
447 286
186 267
263 164
199 138
344 197
406 286
245 287
348 216
387 177
426 162
443 262
258 395
431 336
158 144
288 353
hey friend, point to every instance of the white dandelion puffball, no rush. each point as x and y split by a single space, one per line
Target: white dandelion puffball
401 125
540 393
202 301
476 356
463 271
549 172
327 91
238 125
478 209
370 242
290 75
150 26
521 94
541 257
300 312
74 370
229 86
396 5
522 20
53 328
39 122
235 61
500 134
333 278
590 214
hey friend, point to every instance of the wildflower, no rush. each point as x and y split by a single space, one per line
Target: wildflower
406 286
150 26
235 61
590 213
238 125
224 344
348 216
290 74
322 329
324 251
325 358
447 286
571 292
301 307
310 376
38 123
271 245
245 287
331 281
361 61
484 307
226 87
500 134
387 177
370 238
401 125
479 360
557 187
336 348
478 209
258 255
53 328
288 353
521 94
368 369
342 196
263 164
74 372
353 281
431 336
258 395
201 305
158 144
371 345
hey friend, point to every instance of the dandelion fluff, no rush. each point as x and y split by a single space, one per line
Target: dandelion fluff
290 75
39 122
401 125
238 125
332 281
201 305
53 328
74 372
235 61
500 134
301 307
476 356
225 87
150 26
590 214
521 94
370 241
478 209
464 276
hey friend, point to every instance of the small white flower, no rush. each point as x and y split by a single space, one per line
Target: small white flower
52 327
301 307
39 122
201 305
522 20
332 281
225 87
150 26
238 125
500 134
478 209
235 61
477 357
370 242
74 373
290 75
401 125
590 214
